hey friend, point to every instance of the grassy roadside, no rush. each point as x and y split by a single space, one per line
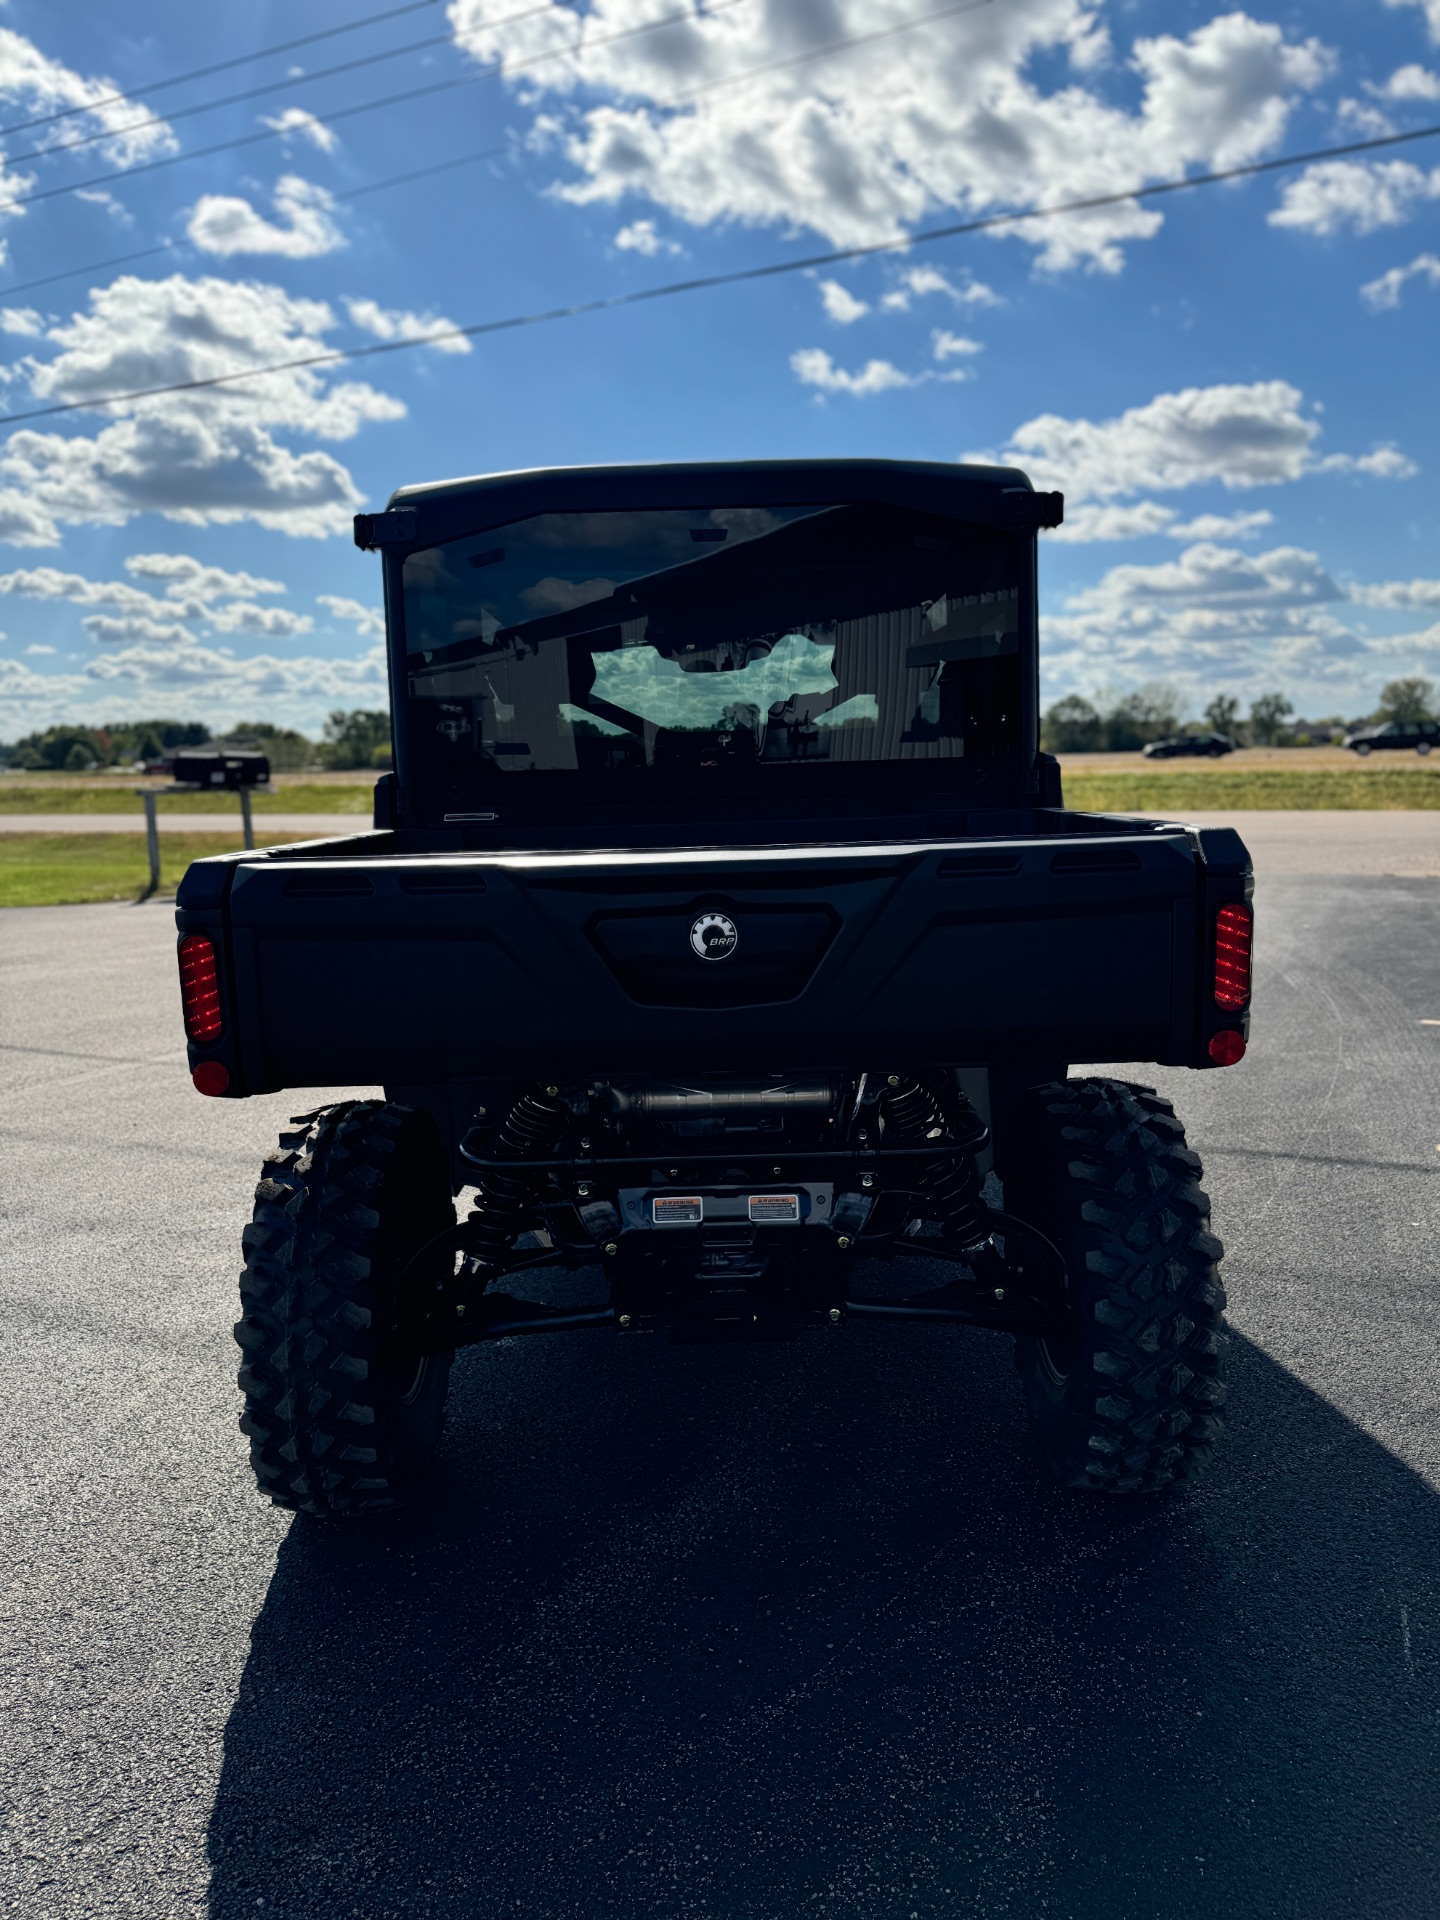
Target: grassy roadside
1367 788
305 796
69 869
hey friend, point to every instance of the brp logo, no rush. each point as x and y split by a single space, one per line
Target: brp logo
714 936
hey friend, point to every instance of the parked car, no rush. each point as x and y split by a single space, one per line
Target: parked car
1195 745
1395 736
722 928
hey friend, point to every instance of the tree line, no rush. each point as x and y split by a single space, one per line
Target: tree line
350 740
1124 723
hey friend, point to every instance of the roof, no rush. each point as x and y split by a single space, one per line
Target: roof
448 508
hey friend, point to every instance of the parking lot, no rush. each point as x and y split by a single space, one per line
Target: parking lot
745 1632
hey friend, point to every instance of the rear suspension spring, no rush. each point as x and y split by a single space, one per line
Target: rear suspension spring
532 1131
914 1113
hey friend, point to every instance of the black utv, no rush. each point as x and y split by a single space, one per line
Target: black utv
722 934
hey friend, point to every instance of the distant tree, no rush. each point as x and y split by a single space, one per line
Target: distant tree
1268 713
352 739
285 749
1406 700
1149 713
1072 725
1223 714
63 749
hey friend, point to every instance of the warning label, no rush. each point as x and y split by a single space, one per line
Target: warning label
677 1209
775 1208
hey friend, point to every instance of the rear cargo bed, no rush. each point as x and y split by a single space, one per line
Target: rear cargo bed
350 965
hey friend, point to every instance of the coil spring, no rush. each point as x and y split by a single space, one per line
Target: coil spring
950 1183
532 1131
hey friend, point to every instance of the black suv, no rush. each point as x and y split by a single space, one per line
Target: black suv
1194 745
723 934
1395 736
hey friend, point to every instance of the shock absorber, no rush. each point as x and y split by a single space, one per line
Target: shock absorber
915 1113
532 1131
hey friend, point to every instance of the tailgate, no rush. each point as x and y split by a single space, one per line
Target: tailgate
393 969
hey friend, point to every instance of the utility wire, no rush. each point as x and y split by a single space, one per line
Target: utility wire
182 246
446 166
739 277
367 106
219 66
276 86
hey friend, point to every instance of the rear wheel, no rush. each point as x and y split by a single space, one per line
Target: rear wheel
1125 1394
342 1422
1422 746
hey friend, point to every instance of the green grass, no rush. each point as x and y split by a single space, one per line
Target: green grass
304 797
67 869
1382 789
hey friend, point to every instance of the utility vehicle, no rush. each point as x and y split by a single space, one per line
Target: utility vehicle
722 934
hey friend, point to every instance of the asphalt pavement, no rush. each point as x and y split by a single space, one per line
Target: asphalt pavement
744 1632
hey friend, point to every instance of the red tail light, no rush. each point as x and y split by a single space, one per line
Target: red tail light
200 989
1232 958
1226 1047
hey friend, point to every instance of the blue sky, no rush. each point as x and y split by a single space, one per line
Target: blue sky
1235 388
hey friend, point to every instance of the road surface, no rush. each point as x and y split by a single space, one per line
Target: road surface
749 1633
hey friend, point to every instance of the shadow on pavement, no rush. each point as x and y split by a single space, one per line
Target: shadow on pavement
760 1633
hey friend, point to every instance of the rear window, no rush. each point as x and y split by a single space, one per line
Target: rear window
739 643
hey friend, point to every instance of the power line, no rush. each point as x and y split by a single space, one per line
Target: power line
740 276
364 106
183 246
219 66
275 86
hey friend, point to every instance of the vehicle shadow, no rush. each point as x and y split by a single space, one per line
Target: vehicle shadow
763 1631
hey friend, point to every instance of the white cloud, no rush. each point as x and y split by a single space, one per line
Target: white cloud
1411 83
207 456
1431 10
243 616
1212 614
1385 463
840 304
297 121
918 282
129 678
49 583
814 368
22 320
952 346
369 622
1398 593
191 597
1221 526
191 579
225 224
1381 294
102 197
36 648
1084 524
122 630
1238 436
1361 195
861 145
46 85
642 236
394 323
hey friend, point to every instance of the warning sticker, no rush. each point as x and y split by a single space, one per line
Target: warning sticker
774 1208
677 1209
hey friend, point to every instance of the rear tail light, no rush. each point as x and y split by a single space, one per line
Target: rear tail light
200 989
1232 958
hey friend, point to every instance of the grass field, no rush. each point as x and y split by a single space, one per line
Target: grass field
1261 789
94 796
66 869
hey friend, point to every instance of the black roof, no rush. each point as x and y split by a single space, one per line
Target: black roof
447 508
